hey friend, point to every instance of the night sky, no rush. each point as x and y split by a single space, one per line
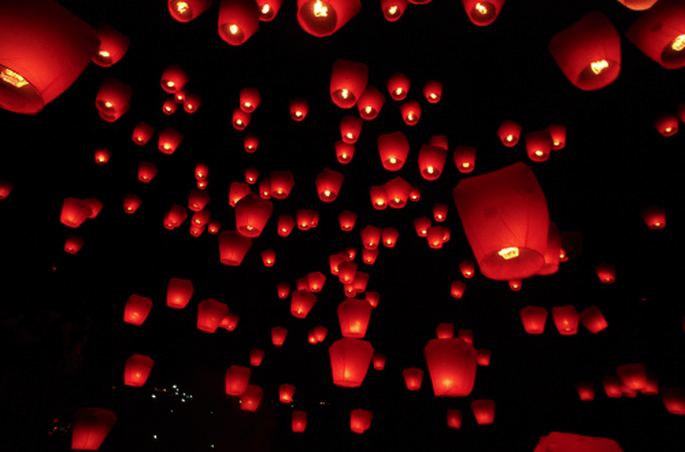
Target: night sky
61 315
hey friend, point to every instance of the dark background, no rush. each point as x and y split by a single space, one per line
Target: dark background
66 343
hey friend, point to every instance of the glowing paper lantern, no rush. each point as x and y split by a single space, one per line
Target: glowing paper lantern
251 398
454 418
323 18
268 257
177 215
371 237
379 197
483 411
393 149
192 102
673 399
236 380
214 226
74 212
379 361
142 133
344 152
370 103
431 161
179 292
180 97
283 290
592 319
413 377
286 223
612 386
445 331
398 86
570 442
251 215
515 285
251 143
187 10
268 9
360 420
301 302
534 318
652 386
131 203
369 256
393 9
315 281
328 184
606 272
90 428
482 13
137 309
299 421
349 79
350 359
588 52
506 221
347 220
249 99
233 247
411 112
398 191
654 217
660 33
389 236
354 316
565 319
285 393
146 171
112 99
586 390
102 156
558 134
465 158
483 357
137 371
238 20
320 333
236 192
350 129
452 366
73 244
435 236
304 219
421 226
467 268
433 92
278 335
633 375
256 357
169 107
240 119
174 78
299 109
169 140
373 298
457 289
113 46
667 123
210 313
197 200
509 132
281 184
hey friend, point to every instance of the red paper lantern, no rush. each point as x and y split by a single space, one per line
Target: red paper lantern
301 302
667 123
379 197
638 5
370 103
373 298
570 442
350 359
169 107
95 207
286 223
192 102
433 92
360 420
348 80
334 262
238 21
454 418
187 10
304 217
445 331
457 289
251 398
197 199
214 226
421 226
379 361
146 171
299 421
452 366
393 149
90 428
398 191
347 220
138 368
371 237
354 316
169 140
236 380
137 309
558 134
256 357
268 9
660 33
286 392
431 161
654 217
435 236
612 386
509 132
465 158
278 335
633 375
180 97
174 79
534 318
210 313
233 247
673 399
369 256
251 143
398 86
283 290
588 52
413 377
113 98
606 272
350 129
299 109
483 411
483 357
411 112
113 46
586 390
482 13
315 281
201 171
196 231
393 9
565 319
179 292
142 133
328 184
73 244
323 18
539 145
177 215
268 257
240 119
652 386
467 268
506 221
251 215
344 152
102 156
236 192
592 319
131 203
389 236
320 333
281 184
249 99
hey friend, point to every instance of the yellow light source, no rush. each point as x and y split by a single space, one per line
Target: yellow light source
509 253
510 138
265 9
167 108
190 107
170 84
433 96
239 122
233 29
481 9
430 170
247 105
410 117
392 10
393 160
379 202
14 79
465 165
167 146
320 10
668 130
108 104
298 114
327 193
344 93
104 54
349 135
678 43
182 7
539 153
598 66
368 110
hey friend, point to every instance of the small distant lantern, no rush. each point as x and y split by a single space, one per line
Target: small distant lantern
370 103
431 161
233 247
452 366
439 214
192 102
268 257
230 322
421 226
586 390
539 145
328 184
214 226
413 377
360 420
251 143
483 411
454 418
457 289
393 9
565 319
179 292
102 156
371 237
411 112
660 33
588 52
654 217
174 79
177 215
210 313
347 220
240 119
256 357
467 268
286 392
169 140
236 192
268 9
344 152
113 46
73 244
304 219
348 82
652 386
197 200
483 357
398 191
379 197
350 129
187 10
515 285
146 171
283 290
281 184
301 302
251 215
137 309
558 134
612 386
180 97
379 361
435 237
278 335
433 91
197 231
249 99
398 86
354 316
286 223
509 133
464 158
238 20
445 331
251 398
142 133
373 298
113 96
316 281
389 236
534 318
393 149
323 18
673 399
169 107
237 379
299 109
334 262
350 359
131 203
90 427
633 375
137 371
298 421
592 319
320 333
482 13
251 175
606 272
667 123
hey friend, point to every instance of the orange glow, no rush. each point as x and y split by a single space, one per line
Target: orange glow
379 202
465 165
433 96
14 79
481 9
509 253
170 84
104 53
344 156
321 11
108 104
539 153
265 9
678 43
344 93
392 10
598 66
510 138
182 7
398 92
298 113
190 107
393 160
556 143
233 29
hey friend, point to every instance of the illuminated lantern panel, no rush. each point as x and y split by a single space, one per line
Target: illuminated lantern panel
586 390
233 247
142 133
197 199
660 33
169 107
445 331
73 244
360 420
304 219
483 357
146 171
286 223
251 215
302 283
350 129
452 366
588 52
393 149
421 226
238 20
251 398
180 97
552 254
379 197
251 143
328 184
457 289
482 13
398 191
467 268
196 231
192 102
281 184
169 140
344 152
654 217
433 92
236 192
370 103
435 235
350 359
592 319
565 319
558 134
278 335
323 18
633 375
354 316
674 400
411 112
249 99
286 392
465 158
90 428
652 386
534 318
398 86
237 378
415 193
301 302
505 218
113 96
509 132
483 411
102 156
240 119
138 368
315 281
347 220
256 357
334 262
299 109
214 226
131 203
612 386
230 322
371 237
187 10
348 81
667 123
174 79
137 309
539 145
413 378
177 215
431 161
389 236
299 421
454 418
606 272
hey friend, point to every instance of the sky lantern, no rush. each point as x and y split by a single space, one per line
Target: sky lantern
593 319
201 218
558 134
174 79
509 132
251 215
249 99
445 331
483 411
482 13
435 235
360 420
298 108
454 418
369 256
240 119
298 421
113 46
238 20
349 79
505 218
102 155
180 97
286 223
398 191
370 103
452 366
44 48
177 215
431 161
393 149
286 392
256 357
301 302
467 268
379 361
90 427
652 386
606 272
411 112
633 375
534 318
201 171
268 257
137 371
654 217
233 247
371 237
304 219
237 379
137 309
379 197
421 226
112 98
169 107
169 140
464 158
350 129
660 33
344 152
673 399
302 283
457 289
347 220
565 319
236 192
197 231
187 10
73 244
569 442
667 123
398 86
350 359
539 145
612 386
142 133
281 184
278 335
323 18
283 290
372 297
551 255
393 9
192 102
268 9
466 335
588 52
354 316
214 226
316 281
251 143
210 313
483 357
131 203
413 377
197 199
328 184
146 171
586 390
389 236
320 333
179 292
433 91
95 207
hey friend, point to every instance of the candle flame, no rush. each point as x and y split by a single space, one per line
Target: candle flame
104 54
599 66
320 10
182 7
392 10
678 43
509 253
233 29
481 9
266 8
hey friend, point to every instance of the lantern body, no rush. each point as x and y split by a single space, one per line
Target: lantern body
240 119
389 237
192 102
301 302
283 289
360 420
484 356
285 393
457 289
483 411
354 316
278 335
349 79
174 79
415 193
315 281
304 217
371 237
558 134
398 86
411 112
323 18
431 161
370 103
465 158
467 268
606 272
74 212
379 197
137 309
652 386
169 107
201 218
298 109
282 183
586 390
236 192
197 199
251 215
398 191
565 319
113 46
445 331
146 171
506 221
210 313
256 357
320 333
454 418
534 318
592 319
344 152
238 20
612 386
379 361
268 257
177 215
230 322
251 398
659 33
187 10
113 97
539 145
413 378
674 400
286 223
44 49
452 366
179 292
90 427
214 226
131 203
268 9
299 421
180 97
328 184
634 376
347 220
654 217
515 285
169 140
372 297
551 255
482 13
433 91
509 132
6 188
249 99
138 368
350 359
251 143
95 207
440 141
393 149
142 133
233 247
102 155
421 226
570 442
73 244
588 52
369 256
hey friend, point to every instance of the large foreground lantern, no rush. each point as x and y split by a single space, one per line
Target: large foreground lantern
570 442
233 247
660 33
348 80
350 359
187 10
43 50
238 20
90 427
324 17
452 366
506 221
481 12
588 52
